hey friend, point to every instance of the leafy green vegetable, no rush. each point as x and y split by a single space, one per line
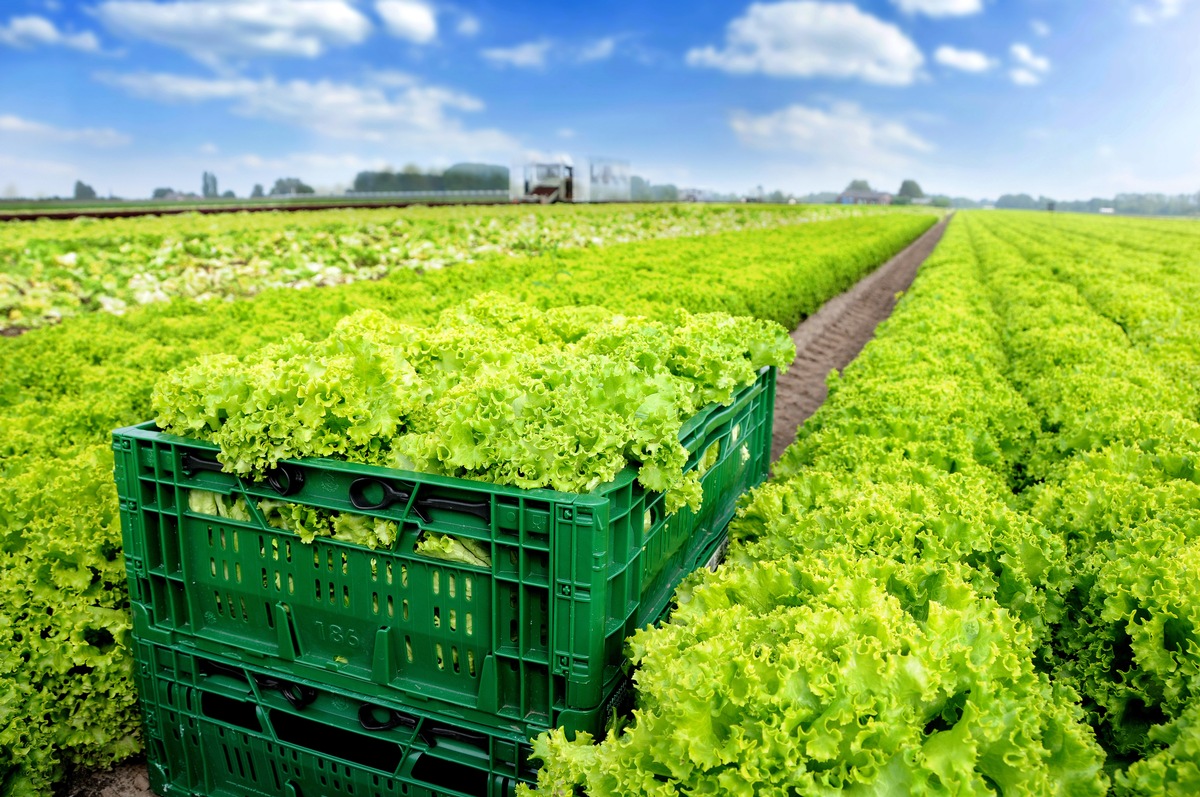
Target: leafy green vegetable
310 522
454 549
1174 769
830 674
490 392
208 503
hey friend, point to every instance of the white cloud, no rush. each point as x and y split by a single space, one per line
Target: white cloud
842 135
538 54
468 25
811 39
1030 67
97 137
392 78
566 132
530 55
964 60
213 31
182 88
1027 58
390 107
408 19
1157 10
209 148
30 31
598 50
1039 28
940 8
1024 77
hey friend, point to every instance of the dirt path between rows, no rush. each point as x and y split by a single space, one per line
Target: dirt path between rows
829 339
833 336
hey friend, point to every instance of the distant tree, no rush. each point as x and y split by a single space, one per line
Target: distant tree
858 185
777 197
1051 205
664 193
639 189
910 189
209 186
84 191
1017 202
818 198
228 195
287 186
902 200
162 193
257 191
475 177
941 201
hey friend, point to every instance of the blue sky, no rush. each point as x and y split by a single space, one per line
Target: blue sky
1069 98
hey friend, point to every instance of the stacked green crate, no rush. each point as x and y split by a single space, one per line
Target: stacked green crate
524 634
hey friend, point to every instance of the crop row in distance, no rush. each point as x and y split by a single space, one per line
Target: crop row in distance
63 666
976 565
55 269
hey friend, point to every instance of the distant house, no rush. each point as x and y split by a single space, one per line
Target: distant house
856 197
1108 211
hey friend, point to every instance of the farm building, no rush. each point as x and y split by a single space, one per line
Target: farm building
857 197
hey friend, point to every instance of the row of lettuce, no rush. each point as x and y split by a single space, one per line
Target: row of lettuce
55 269
976 570
65 670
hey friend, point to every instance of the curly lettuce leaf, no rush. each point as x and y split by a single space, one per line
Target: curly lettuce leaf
454 549
496 390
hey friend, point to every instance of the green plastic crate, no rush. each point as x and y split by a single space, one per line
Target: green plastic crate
217 728
534 641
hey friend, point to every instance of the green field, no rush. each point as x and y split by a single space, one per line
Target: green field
66 671
55 269
975 571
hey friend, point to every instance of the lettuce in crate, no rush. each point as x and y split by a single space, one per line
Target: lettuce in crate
496 390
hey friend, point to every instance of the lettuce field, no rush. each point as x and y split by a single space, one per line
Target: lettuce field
976 571
54 270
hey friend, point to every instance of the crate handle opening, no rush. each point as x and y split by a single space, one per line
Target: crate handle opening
298 695
480 509
389 495
285 479
368 718
360 498
190 463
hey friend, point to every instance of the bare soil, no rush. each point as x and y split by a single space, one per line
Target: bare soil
829 339
832 337
124 780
